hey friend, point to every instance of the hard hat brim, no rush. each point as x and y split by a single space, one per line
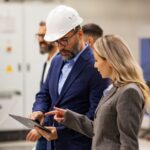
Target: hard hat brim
56 36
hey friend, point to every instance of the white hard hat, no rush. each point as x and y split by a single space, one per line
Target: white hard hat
60 21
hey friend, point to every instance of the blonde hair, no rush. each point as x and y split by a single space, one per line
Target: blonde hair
125 69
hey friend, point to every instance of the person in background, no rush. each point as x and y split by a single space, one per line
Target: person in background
51 51
72 80
119 113
91 33
45 48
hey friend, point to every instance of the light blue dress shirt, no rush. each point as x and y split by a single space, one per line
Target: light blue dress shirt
66 70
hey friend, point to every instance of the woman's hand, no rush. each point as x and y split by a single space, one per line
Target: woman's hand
58 114
49 136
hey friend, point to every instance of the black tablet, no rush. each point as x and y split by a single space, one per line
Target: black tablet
29 122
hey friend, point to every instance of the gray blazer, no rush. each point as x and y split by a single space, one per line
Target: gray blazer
117 120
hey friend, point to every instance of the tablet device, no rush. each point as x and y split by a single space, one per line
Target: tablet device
29 122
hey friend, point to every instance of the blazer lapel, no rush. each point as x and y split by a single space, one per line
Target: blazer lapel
76 70
106 97
57 74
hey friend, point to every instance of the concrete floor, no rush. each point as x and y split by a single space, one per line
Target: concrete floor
144 145
21 145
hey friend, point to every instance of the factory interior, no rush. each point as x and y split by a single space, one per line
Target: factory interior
21 62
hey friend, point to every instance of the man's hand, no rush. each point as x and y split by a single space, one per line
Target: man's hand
33 135
49 136
37 115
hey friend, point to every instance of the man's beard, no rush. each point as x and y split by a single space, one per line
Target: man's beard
70 53
45 48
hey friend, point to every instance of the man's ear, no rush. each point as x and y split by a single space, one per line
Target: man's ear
80 34
90 41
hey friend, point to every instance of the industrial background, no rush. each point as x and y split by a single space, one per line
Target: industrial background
21 63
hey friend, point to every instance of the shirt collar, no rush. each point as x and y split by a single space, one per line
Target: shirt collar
106 91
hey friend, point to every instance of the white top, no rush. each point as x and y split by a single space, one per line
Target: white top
48 64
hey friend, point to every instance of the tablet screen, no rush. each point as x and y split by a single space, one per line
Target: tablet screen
28 122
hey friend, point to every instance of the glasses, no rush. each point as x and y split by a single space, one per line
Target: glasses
64 41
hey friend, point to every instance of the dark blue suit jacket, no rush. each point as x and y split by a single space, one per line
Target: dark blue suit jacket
80 93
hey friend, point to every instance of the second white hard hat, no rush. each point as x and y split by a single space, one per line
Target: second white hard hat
60 21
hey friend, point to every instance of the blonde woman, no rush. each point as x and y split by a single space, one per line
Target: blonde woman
119 114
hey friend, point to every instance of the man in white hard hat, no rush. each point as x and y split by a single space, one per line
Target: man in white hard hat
72 81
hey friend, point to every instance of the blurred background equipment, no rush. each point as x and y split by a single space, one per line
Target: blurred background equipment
21 63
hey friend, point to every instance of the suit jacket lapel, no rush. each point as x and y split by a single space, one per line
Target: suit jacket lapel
57 74
106 97
76 70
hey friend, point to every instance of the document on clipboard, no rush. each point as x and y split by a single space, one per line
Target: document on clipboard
29 122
